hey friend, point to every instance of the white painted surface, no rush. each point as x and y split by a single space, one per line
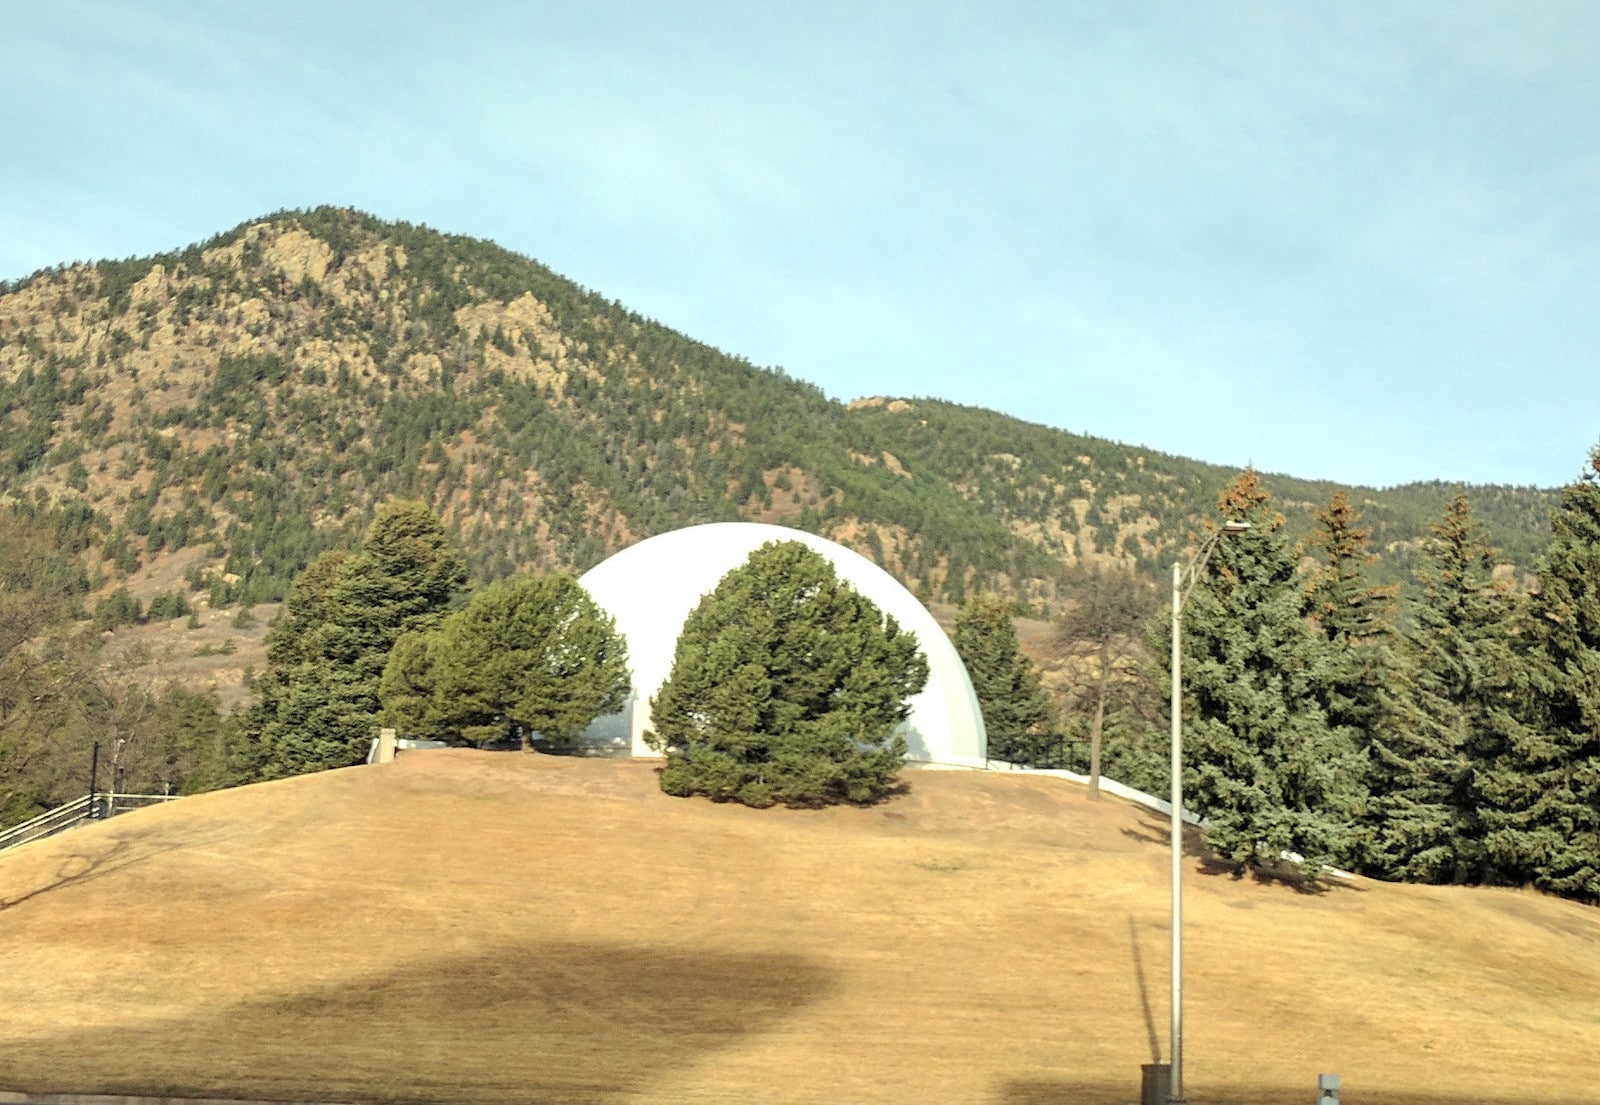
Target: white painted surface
651 587
1109 786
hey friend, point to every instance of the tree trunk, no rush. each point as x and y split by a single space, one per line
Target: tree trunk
1094 743
1098 729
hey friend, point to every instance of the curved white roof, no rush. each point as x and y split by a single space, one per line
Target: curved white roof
651 587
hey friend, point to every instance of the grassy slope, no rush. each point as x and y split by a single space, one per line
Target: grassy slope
469 927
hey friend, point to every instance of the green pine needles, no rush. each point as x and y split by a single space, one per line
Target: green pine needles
1019 719
787 686
1543 816
532 655
1432 757
318 705
1267 769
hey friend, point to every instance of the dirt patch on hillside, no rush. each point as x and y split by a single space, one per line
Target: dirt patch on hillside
218 651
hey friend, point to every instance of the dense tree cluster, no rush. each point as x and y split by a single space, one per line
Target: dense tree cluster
1268 767
1444 730
543 435
318 705
57 699
1453 737
1542 817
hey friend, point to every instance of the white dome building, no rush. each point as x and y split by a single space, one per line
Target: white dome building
651 587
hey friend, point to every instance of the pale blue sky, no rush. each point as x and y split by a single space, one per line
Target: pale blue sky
1352 241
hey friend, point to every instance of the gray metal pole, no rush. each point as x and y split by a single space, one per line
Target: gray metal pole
94 780
1175 1092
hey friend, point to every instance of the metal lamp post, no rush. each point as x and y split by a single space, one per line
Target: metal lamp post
1180 595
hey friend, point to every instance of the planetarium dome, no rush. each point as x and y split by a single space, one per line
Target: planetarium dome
651 587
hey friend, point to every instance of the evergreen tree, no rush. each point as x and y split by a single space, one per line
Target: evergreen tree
308 609
1263 764
117 608
406 576
530 655
1018 717
318 705
787 685
1355 618
1543 816
1100 632
1451 712
408 689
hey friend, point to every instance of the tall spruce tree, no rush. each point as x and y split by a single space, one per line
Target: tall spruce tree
1355 617
318 706
787 685
1543 795
1356 621
1018 716
1262 763
1452 712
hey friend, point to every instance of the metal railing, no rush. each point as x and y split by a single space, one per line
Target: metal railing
52 821
122 803
91 807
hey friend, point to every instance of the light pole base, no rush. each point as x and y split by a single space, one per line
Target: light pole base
1156 1088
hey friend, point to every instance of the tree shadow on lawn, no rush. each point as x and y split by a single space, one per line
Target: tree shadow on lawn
82 865
1047 1091
898 789
98 849
1154 828
579 1023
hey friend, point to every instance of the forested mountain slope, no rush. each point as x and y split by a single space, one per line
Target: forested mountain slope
253 397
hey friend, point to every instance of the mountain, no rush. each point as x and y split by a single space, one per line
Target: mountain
224 412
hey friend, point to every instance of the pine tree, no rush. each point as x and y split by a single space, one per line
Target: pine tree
787 685
1355 618
1018 717
406 577
318 706
1544 818
1263 764
408 689
530 655
1451 715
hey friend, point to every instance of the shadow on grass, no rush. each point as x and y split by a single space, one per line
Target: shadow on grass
97 851
82 865
579 1023
898 789
1284 873
1154 828
1144 992
1044 1091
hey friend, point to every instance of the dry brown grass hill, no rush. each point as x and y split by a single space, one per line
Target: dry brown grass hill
474 927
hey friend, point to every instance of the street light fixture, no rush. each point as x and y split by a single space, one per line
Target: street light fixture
1180 595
